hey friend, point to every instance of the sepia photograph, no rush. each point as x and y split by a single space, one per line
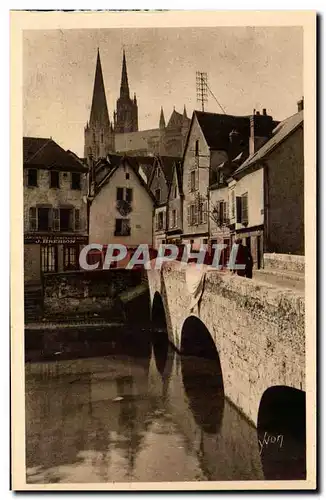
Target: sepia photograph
163 324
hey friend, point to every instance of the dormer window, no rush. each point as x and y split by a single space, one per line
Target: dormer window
158 195
197 148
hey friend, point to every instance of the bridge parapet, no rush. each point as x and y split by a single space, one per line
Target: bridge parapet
258 329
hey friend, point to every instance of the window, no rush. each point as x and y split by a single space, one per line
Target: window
70 257
125 194
66 215
32 177
102 137
193 180
160 221
119 194
75 180
122 227
197 148
44 222
127 176
158 195
175 194
54 179
129 195
244 208
158 172
49 258
202 213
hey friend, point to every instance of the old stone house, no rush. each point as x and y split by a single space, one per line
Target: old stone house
55 208
269 193
175 206
121 205
159 183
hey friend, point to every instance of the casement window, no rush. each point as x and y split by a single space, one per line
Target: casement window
75 180
122 227
49 258
70 257
32 219
54 179
244 208
32 177
125 194
202 216
44 219
66 219
158 195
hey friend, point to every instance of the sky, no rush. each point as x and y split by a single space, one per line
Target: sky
248 68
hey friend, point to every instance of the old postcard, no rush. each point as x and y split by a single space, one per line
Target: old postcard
163 225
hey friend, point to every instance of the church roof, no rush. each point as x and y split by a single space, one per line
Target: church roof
45 153
99 109
176 119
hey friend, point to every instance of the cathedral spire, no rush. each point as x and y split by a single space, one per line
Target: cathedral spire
162 119
99 110
124 87
184 112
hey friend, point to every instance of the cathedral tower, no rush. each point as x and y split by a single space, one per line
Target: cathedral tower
99 134
126 116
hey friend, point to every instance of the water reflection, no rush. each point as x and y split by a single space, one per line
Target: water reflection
282 433
122 418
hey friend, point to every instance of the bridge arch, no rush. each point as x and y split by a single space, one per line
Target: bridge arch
281 430
202 375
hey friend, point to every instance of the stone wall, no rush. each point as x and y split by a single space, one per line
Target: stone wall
80 292
284 262
258 330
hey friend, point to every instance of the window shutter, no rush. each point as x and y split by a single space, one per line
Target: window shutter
156 221
205 212
226 211
56 219
196 213
176 218
33 219
77 219
188 216
164 220
238 208
244 207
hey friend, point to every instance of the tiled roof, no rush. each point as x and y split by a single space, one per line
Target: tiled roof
167 163
283 129
45 153
217 127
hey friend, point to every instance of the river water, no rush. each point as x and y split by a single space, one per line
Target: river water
123 418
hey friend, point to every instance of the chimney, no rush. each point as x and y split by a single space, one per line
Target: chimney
300 105
252 135
257 113
264 112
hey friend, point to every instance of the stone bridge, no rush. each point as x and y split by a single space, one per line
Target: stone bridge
255 330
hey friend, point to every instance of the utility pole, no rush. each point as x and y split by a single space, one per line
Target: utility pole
201 88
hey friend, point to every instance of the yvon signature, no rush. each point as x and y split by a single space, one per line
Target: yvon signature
270 439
